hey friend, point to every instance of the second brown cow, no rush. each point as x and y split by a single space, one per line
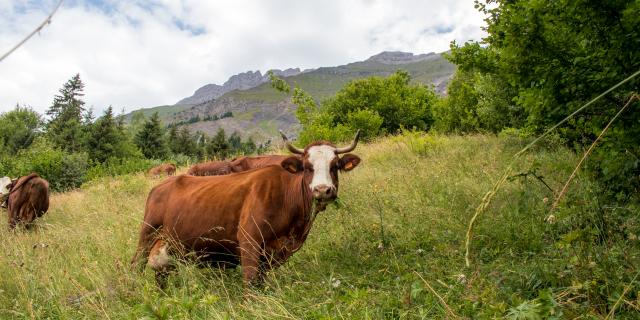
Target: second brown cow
240 164
168 169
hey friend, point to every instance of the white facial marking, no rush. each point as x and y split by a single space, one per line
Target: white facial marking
321 157
4 182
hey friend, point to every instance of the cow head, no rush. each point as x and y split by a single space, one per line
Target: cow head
5 188
320 162
5 183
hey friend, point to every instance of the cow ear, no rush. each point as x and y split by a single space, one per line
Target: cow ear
349 161
292 164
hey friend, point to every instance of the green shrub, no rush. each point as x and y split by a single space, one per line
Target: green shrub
63 170
182 160
325 131
116 166
369 121
419 143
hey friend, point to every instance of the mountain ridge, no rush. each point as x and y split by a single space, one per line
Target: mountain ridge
260 111
241 81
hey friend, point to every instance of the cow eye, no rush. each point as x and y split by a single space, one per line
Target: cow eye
309 169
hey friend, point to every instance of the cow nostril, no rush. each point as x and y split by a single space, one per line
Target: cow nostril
328 191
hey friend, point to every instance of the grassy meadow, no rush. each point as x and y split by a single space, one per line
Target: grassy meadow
393 247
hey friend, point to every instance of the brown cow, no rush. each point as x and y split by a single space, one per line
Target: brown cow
168 169
211 168
257 218
28 199
220 168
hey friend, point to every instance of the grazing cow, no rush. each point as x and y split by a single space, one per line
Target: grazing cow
257 218
28 199
220 168
168 169
211 168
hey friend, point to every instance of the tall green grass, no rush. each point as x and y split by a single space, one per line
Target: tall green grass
392 248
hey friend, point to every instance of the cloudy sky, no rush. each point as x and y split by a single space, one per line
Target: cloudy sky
133 54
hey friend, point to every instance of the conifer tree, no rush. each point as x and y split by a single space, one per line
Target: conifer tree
65 129
104 138
218 145
150 139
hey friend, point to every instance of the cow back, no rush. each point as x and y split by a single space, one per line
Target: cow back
28 199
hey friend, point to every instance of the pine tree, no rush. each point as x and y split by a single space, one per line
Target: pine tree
150 139
235 142
218 145
249 146
104 138
186 142
174 144
65 129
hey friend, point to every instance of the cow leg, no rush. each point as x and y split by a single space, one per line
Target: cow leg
250 253
12 221
13 216
160 261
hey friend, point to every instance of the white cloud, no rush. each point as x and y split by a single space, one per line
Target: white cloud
135 54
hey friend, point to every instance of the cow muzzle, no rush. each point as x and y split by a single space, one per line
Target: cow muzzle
324 193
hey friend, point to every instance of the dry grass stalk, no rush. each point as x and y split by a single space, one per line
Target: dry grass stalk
588 152
442 302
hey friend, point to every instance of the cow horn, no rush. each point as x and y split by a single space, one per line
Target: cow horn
352 146
289 145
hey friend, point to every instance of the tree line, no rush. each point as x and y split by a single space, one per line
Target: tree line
73 146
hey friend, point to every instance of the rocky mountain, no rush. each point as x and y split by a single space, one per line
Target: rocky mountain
241 81
397 57
246 103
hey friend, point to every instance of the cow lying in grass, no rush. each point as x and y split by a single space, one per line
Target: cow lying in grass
256 218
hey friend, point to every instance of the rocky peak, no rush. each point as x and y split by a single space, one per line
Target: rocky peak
240 81
398 57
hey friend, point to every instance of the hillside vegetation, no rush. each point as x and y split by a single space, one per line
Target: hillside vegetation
392 248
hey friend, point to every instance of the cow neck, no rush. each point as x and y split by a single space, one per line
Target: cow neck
307 198
22 183
309 209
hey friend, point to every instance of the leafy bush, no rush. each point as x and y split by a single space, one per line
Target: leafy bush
393 99
117 166
374 105
477 102
369 121
63 170
419 143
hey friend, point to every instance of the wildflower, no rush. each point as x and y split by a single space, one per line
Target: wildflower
551 219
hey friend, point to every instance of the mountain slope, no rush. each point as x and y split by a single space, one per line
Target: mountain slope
259 110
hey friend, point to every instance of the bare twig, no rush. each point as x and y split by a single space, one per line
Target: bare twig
40 27
588 152
613 309
534 174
